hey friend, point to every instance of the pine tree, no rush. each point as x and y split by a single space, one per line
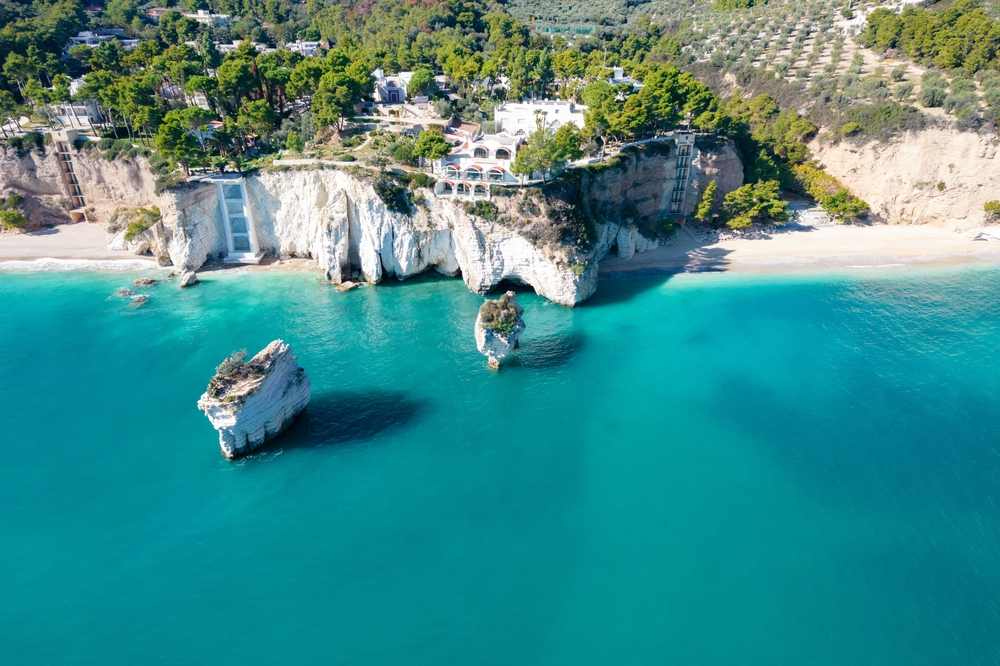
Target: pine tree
703 212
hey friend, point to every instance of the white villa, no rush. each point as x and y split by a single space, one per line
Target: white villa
206 17
76 114
93 38
618 77
391 89
518 118
303 48
475 164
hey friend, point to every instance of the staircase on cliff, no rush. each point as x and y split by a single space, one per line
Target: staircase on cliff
62 141
685 144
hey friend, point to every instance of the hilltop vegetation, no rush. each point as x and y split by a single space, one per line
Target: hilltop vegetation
173 90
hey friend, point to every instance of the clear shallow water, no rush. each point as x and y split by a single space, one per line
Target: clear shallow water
705 469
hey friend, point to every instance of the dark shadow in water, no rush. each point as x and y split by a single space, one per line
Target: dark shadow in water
429 275
621 281
552 351
349 416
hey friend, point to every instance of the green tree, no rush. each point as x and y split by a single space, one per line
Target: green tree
706 204
335 98
431 145
843 205
294 142
175 141
422 83
755 203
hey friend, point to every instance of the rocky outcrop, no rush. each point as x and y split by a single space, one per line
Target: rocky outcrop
251 402
498 326
939 176
188 279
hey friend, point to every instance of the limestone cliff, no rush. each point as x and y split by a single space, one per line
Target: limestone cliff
939 176
252 402
550 238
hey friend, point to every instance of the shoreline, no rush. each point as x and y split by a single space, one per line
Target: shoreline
792 249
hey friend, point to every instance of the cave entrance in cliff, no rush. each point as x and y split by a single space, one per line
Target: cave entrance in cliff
237 219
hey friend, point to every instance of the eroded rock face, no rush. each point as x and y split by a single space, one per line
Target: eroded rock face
188 279
498 326
939 176
250 403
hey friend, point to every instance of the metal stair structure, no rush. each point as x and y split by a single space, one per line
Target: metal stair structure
685 142
62 141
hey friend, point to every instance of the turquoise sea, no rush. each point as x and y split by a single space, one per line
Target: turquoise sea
701 469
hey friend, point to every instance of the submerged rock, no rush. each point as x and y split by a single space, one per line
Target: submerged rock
250 402
498 327
143 282
188 279
123 292
139 299
347 286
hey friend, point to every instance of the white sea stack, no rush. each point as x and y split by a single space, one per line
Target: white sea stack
188 279
251 402
498 326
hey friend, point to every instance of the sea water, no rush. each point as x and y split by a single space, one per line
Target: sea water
703 469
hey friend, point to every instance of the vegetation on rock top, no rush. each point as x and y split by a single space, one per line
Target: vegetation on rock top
501 315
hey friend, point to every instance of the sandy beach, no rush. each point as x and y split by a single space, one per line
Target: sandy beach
805 248
792 249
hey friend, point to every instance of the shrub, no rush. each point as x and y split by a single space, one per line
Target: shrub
992 209
12 219
897 73
932 97
849 128
146 217
902 91
420 179
501 315
483 209
27 142
843 205
231 372
393 195
961 85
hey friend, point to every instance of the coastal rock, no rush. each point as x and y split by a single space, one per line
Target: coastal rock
188 279
139 299
626 242
143 282
251 402
498 326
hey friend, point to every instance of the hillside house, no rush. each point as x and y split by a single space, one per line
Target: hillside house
519 118
390 89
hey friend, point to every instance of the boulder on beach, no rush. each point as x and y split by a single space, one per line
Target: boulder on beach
251 402
188 279
498 327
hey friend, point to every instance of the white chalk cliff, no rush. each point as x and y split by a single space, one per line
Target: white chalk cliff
336 218
258 407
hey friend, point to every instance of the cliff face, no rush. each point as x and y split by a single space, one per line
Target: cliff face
937 176
551 240
259 405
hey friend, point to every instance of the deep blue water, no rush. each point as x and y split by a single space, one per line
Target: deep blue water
706 469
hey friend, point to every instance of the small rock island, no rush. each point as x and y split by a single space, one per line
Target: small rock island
251 402
498 327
